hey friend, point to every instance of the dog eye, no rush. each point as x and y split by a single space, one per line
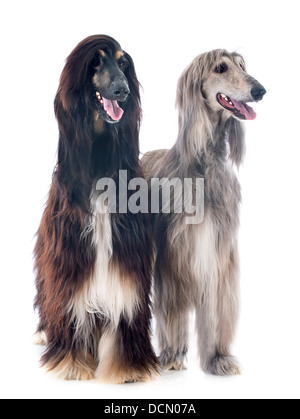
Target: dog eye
97 62
222 68
123 65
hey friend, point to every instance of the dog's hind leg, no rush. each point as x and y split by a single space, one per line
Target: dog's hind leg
171 308
68 360
172 330
73 367
172 318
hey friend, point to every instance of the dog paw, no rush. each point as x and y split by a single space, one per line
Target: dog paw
170 361
140 377
40 338
224 365
69 368
125 375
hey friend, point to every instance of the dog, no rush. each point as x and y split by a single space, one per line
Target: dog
94 268
197 265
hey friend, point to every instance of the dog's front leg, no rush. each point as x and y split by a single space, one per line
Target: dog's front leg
216 317
227 314
126 354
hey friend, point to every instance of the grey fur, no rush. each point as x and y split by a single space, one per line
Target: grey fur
197 266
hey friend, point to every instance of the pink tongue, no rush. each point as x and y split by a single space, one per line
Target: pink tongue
113 109
244 109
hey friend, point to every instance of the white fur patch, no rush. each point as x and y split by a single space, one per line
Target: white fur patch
106 351
205 261
108 293
206 272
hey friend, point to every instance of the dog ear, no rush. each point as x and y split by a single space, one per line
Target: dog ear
128 128
193 111
74 151
236 139
134 86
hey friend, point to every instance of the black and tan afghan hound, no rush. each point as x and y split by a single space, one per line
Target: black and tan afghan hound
197 264
93 268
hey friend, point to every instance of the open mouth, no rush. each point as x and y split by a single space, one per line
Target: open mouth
110 108
239 109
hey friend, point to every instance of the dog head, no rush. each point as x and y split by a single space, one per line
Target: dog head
230 87
110 83
219 80
214 91
99 79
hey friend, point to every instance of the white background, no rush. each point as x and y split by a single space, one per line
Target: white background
162 37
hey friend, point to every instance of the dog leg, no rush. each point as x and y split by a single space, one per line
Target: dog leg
68 365
228 310
171 306
126 354
172 330
216 317
213 361
207 325
67 357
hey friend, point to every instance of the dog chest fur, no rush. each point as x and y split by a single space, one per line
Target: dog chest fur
108 293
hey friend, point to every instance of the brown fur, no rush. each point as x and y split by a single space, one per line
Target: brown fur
80 252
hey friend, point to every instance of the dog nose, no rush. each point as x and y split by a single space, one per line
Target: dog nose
121 92
258 92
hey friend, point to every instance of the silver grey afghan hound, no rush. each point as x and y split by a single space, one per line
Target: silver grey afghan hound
198 265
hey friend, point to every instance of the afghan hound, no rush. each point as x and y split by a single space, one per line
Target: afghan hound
197 265
94 268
